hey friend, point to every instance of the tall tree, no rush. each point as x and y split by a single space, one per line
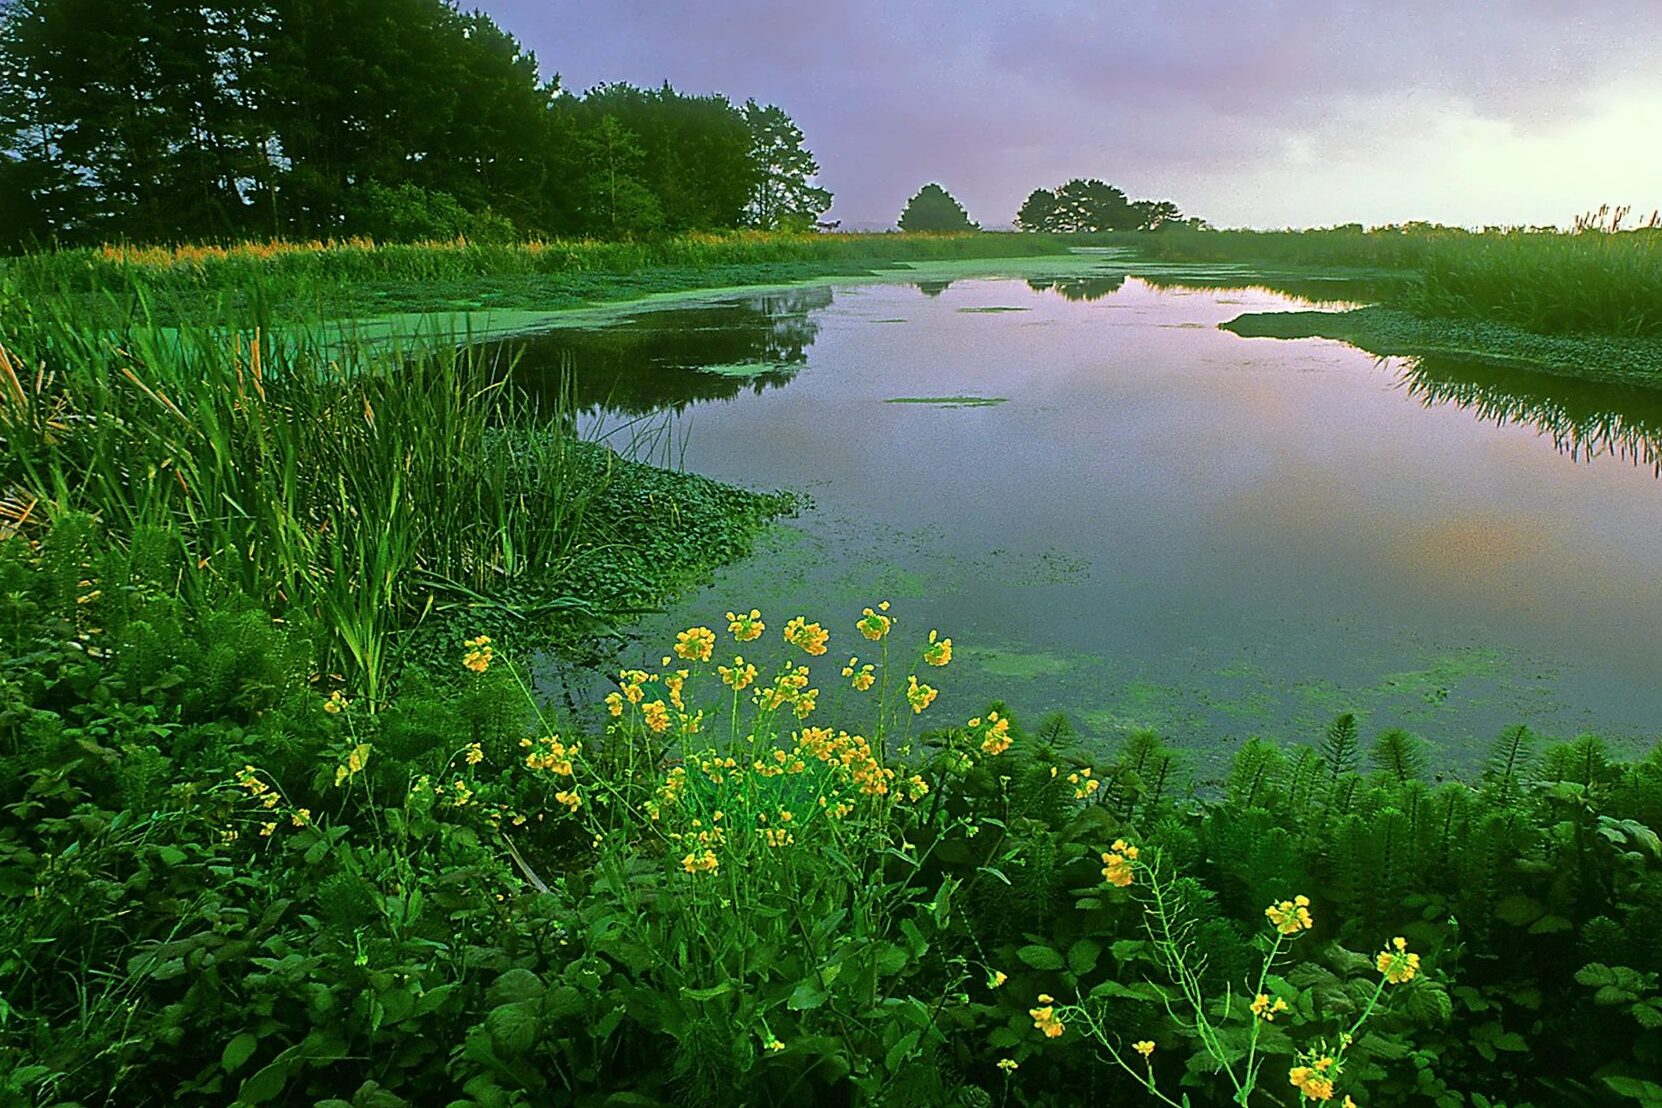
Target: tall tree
783 195
1038 211
934 209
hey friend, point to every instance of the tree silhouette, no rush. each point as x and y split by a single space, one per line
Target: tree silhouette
934 209
782 196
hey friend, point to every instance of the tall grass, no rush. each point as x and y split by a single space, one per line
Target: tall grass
308 271
1596 278
360 489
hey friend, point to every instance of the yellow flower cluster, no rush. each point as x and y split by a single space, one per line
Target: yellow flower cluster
1117 867
1083 784
852 752
746 628
788 688
737 676
336 704
475 754
706 862
1291 916
569 798
995 740
463 793
695 644
1264 1009
916 788
873 625
777 836
655 713
1045 1018
810 637
479 654
919 696
550 753
862 677
939 651
1396 963
1315 1081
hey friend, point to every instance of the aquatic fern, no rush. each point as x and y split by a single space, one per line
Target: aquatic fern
1584 762
1340 747
1510 760
1258 766
1399 756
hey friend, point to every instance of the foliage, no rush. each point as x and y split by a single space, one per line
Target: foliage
401 119
1597 278
783 198
1092 206
935 209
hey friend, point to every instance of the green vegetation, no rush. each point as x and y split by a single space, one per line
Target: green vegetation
935 209
1093 206
1597 279
302 282
397 119
227 881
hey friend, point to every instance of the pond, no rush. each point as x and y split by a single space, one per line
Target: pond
1121 512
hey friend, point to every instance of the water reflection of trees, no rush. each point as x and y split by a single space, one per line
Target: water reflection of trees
1585 419
662 360
932 289
1079 288
1316 290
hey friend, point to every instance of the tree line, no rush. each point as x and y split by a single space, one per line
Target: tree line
159 120
1078 206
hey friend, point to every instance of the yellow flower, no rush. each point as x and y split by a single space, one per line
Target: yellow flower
614 704
996 739
1313 1082
937 653
1145 1047
775 1045
656 714
695 644
1265 1010
997 978
335 703
701 863
1045 1018
463 793
1116 868
1291 916
738 676
475 754
873 626
1397 964
811 637
918 696
302 817
1008 1065
916 788
746 628
478 657
266 829
570 799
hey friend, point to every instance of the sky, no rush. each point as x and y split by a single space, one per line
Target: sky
1255 113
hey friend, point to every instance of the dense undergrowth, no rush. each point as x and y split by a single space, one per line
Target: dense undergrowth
302 281
759 882
1597 279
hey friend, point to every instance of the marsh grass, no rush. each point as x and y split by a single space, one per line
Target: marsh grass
1597 278
365 488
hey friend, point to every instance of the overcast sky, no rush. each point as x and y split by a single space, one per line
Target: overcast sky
1267 113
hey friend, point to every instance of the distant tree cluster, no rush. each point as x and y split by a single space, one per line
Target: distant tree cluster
1093 205
164 120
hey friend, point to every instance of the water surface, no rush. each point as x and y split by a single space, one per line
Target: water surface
1117 510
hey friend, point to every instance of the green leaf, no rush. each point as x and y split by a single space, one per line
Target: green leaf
807 994
901 1051
1519 910
1083 955
1040 957
514 1028
238 1051
709 994
890 959
515 985
266 1084
1648 1093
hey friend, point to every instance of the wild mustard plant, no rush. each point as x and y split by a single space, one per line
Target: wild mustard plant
1230 1029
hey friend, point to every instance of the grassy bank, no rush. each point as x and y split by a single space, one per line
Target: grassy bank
1483 292
307 281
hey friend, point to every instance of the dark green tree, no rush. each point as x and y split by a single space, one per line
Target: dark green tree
783 195
1038 211
934 209
1154 214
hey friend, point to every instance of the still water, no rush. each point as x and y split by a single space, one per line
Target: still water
1118 510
